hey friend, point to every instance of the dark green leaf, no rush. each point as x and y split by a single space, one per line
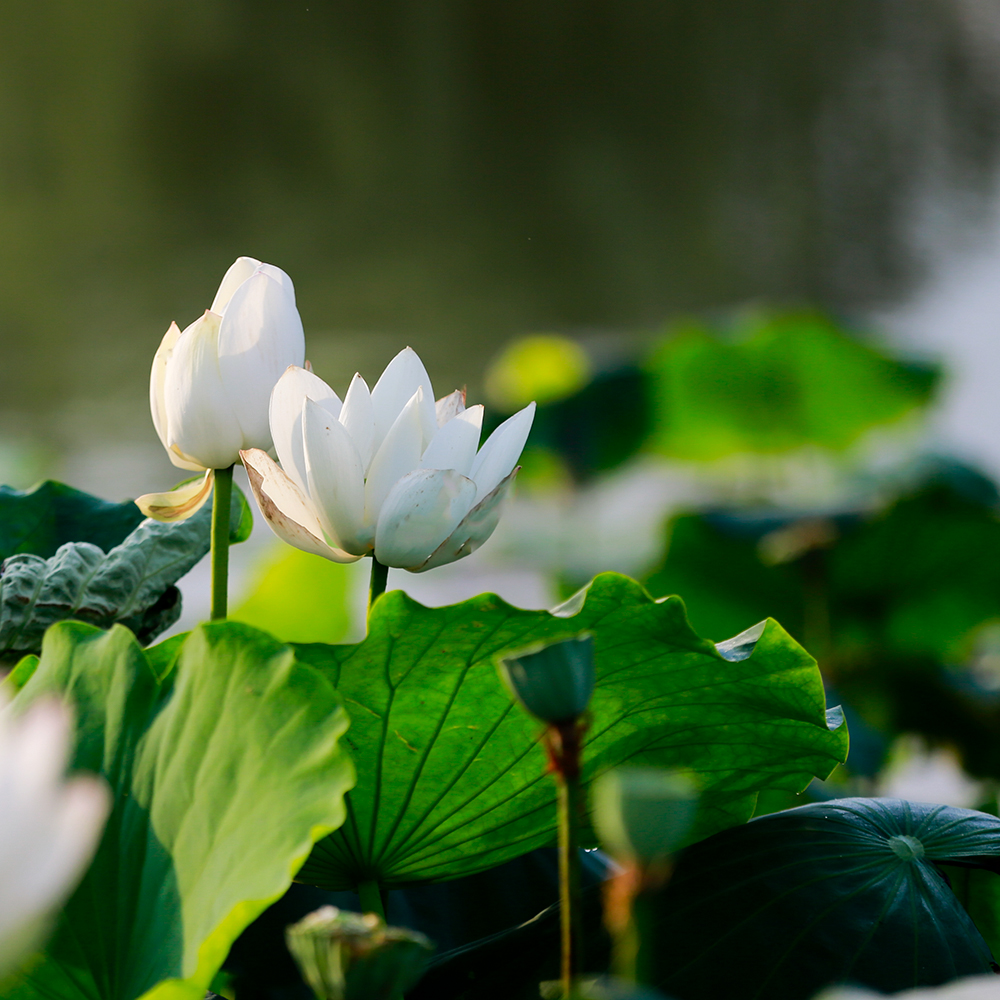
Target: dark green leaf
723 580
891 603
240 517
915 577
843 890
777 383
133 584
453 776
221 782
42 519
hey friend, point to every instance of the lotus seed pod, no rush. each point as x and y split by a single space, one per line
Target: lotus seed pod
553 682
644 814
350 956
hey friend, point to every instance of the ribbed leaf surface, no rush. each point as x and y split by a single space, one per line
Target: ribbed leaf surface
451 777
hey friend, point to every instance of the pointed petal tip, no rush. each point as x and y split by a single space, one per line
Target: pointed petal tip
286 510
180 503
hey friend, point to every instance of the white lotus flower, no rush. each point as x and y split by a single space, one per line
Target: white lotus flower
386 472
211 383
49 826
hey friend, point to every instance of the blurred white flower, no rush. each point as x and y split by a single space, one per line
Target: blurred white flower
49 826
210 383
386 472
973 988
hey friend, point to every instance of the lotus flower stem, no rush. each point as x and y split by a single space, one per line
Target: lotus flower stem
569 881
380 575
563 742
370 894
220 541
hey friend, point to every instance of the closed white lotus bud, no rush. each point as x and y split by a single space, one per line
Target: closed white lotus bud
388 473
210 386
49 827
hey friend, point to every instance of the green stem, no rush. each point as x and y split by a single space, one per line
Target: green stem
569 881
380 576
643 927
221 500
371 897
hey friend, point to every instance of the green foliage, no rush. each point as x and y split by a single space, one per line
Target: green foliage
300 598
723 579
915 578
223 777
778 382
891 604
42 519
453 778
847 889
978 890
133 584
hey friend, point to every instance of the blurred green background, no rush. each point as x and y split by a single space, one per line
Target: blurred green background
450 173
760 242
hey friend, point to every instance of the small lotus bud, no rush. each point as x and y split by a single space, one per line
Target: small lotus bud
553 682
604 988
644 814
347 956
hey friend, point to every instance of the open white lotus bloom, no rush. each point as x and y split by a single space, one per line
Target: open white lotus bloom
49 826
387 472
211 383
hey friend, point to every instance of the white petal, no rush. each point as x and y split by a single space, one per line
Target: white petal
281 277
502 450
394 389
201 424
336 479
420 512
42 748
290 515
454 446
50 826
477 526
157 378
75 830
449 406
178 504
358 418
398 454
238 272
260 336
289 396
182 461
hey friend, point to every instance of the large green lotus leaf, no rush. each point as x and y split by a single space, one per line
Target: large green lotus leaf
778 382
132 584
842 890
453 779
41 519
222 778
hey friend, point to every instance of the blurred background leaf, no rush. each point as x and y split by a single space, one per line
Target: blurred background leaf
772 382
299 598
